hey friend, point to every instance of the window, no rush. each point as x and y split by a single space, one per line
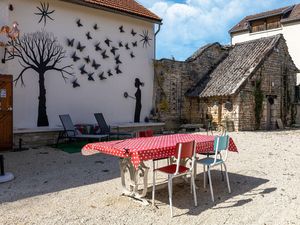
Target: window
265 24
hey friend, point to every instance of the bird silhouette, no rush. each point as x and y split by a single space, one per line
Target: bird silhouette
109 73
104 56
80 47
97 47
95 65
134 44
88 35
117 58
70 42
87 59
79 24
75 84
96 27
75 57
113 50
90 77
118 71
132 55
107 42
101 76
133 32
121 29
127 46
82 70
120 44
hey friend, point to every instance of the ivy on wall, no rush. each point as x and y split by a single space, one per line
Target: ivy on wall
258 98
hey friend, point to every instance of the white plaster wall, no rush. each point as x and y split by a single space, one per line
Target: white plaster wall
99 96
291 33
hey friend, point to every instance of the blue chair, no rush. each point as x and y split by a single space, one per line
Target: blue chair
220 147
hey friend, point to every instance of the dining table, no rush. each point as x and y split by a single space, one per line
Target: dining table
134 152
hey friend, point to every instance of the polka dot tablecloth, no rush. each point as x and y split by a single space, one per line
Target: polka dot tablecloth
148 148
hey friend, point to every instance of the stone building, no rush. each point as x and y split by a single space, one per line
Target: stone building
249 85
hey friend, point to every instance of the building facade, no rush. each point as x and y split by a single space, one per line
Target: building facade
78 58
246 86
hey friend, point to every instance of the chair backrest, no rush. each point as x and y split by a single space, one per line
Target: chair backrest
145 133
104 128
221 143
68 125
185 150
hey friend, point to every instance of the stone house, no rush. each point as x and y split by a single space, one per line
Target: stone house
249 85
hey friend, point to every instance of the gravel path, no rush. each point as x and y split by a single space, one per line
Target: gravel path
54 187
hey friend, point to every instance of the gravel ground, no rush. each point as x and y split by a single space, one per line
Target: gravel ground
54 187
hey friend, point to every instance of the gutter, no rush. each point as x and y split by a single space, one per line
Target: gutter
155 34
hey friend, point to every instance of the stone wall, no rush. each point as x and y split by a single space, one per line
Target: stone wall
276 75
272 73
174 78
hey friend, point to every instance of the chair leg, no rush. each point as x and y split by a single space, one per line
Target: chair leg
204 177
170 193
194 188
210 185
227 178
153 189
221 168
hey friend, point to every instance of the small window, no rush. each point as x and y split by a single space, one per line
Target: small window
266 24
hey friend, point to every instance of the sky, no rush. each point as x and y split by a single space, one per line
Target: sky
190 24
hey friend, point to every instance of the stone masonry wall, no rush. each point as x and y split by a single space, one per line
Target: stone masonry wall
174 78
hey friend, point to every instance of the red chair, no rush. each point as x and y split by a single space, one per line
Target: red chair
145 133
184 150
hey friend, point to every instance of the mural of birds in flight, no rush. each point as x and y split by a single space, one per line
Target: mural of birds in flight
96 27
117 59
133 32
79 24
97 47
134 44
87 59
104 56
107 42
90 77
120 44
113 50
109 73
121 29
95 65
101 76
80 47
132 55
117 69
82 70
75 83
75 57
88 35
127 46
70 42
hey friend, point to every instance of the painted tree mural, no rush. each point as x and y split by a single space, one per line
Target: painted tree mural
41 52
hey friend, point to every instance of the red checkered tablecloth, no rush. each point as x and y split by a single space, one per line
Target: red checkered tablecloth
148 148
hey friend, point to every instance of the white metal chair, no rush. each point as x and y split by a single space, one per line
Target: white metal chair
220 147
184 150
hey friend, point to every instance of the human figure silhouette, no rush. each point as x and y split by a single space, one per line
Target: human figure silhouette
138 100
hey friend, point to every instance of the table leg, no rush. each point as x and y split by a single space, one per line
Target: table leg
142 171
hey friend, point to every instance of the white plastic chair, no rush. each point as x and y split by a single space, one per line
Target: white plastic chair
220 147
183 151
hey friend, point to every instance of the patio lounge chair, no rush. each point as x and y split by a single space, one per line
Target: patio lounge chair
71 133
105 129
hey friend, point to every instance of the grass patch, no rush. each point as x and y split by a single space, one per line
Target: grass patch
72 147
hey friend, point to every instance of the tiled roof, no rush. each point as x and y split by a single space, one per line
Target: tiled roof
242 61
125 6
289 13
200 51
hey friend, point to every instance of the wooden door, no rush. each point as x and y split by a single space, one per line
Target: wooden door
6 113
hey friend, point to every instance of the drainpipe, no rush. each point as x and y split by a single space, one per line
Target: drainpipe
155 39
